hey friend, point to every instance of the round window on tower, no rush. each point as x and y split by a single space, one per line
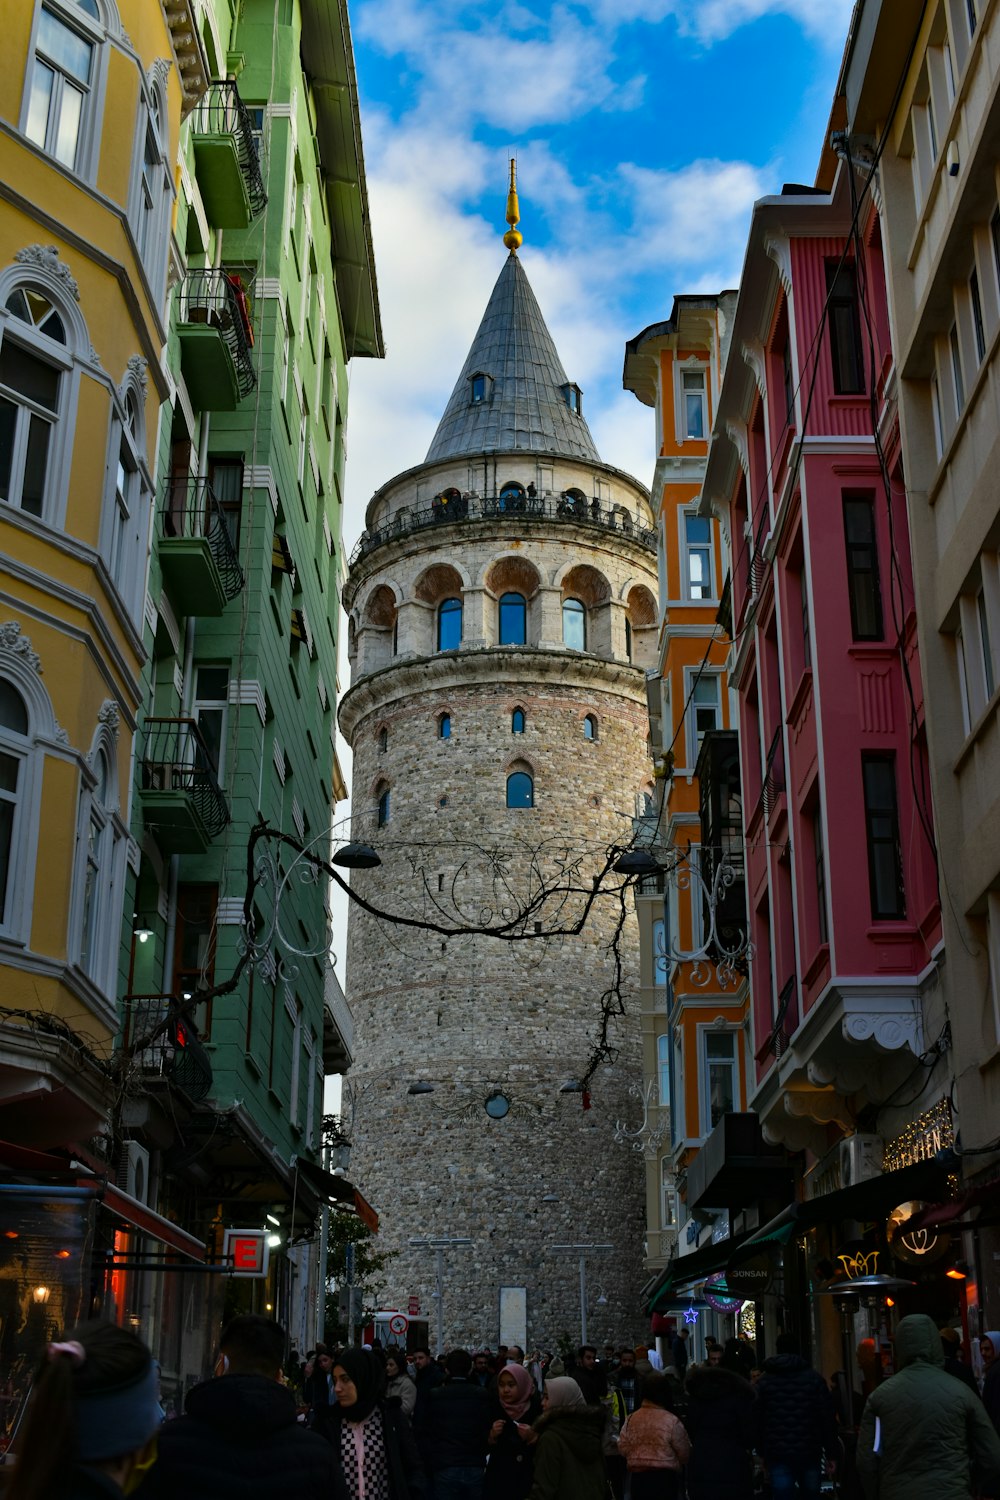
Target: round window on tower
497 1104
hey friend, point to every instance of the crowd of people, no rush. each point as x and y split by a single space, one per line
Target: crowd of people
384 1424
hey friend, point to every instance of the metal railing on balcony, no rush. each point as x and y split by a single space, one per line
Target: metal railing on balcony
222 112
592 513
190 509
175 758
774 774
215 298
174 1051
757 564
776 1043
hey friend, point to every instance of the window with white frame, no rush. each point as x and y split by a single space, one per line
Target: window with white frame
694 405
678 1113
957 375
15 748
659 953
704 710
668 1195
663 1068
721 1075
294 1013
125 521
211 712
62 82
100 868
96 836
697 556
152 188
936 417
35 364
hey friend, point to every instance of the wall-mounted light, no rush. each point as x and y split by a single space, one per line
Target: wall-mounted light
959 1271
271 1219
41 1295
274 1240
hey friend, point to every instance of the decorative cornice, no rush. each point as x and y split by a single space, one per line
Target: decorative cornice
109 715
780 251
136 368
12 639
753 354
737 434
160 71
46 258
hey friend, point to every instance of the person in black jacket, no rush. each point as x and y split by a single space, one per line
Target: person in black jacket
457 1431
370 1436
239 1438
719 1422
795 1422
516 1405
591 1377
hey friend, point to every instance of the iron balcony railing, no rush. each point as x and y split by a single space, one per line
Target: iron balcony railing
175 758
190 509
774 774
776 1044
757 564
578 509
222 112
216 298
174 1053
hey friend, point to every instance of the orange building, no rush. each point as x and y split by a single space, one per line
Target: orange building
694 1000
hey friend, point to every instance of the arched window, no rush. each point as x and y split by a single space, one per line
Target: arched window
513 620
34 363
574 619
512 496
152 186
517 721
99 876
13 753
590 727
59 111
126 507
444 727
520 790
382 806
628 639
449 625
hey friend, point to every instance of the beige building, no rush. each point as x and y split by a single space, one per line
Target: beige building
921 85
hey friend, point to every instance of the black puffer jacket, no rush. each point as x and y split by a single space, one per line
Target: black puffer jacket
458 1425
720 1425
240 1440
795 1418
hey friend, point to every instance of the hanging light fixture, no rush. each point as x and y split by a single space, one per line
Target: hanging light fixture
356 856
637 862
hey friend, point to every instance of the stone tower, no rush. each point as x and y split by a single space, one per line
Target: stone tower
502 614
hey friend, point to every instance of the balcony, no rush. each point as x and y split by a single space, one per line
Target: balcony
182 803
226 158
216 336
175 1053
201 571
736 1167
338 1026
721 812
516 510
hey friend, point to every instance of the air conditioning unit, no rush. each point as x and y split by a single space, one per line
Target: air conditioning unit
133 1171
860 1159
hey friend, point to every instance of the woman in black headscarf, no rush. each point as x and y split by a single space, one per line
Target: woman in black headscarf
372 1438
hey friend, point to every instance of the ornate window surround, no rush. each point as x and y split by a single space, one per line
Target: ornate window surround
98 34
152 122
127 440
112 848
21 667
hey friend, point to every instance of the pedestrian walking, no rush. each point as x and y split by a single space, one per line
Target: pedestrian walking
924 1435
626 1378
719 1423
92 1418
679 1352
569 1462
458 1425
654 1443
399 1386
239 1438
591 1377
372 1439
795 1422
510 1457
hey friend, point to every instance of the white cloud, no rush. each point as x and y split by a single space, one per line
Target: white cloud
695 219
715 20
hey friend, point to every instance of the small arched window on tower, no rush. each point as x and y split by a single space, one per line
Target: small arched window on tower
513 620
383 740
590 727
444 727
628 639
382 804
520 789
517 721
449 631
513 496
574 618
480 388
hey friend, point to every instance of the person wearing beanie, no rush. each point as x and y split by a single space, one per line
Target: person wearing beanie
569 1453
92 1420
378 1454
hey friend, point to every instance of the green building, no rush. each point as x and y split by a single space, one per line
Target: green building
273 291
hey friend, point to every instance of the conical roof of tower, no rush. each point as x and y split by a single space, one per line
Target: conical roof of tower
526 398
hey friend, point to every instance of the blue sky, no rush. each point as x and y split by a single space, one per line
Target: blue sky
644 131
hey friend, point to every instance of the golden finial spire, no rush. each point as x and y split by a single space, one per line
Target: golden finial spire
513 239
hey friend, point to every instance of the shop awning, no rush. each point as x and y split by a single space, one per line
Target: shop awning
871 1199
123 1206
671 1287
337 1190
985 1195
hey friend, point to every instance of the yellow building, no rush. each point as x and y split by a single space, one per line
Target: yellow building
694 1009
92 94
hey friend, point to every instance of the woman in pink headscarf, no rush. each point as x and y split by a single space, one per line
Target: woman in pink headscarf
509 1468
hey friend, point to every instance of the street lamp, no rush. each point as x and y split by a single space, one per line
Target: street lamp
583 1251
439 1246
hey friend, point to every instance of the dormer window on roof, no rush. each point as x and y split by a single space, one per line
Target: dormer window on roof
480 388
574 399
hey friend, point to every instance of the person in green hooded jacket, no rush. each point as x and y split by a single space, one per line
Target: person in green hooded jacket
924 1435
569 1445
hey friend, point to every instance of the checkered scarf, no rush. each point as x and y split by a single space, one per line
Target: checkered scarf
367 1478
